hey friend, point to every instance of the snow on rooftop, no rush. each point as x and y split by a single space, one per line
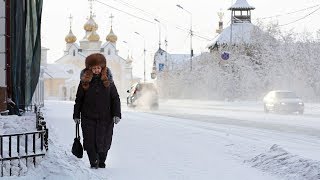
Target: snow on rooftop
179 57
241 34
64 71
172 58
241 4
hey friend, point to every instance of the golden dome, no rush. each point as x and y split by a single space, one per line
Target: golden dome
112 37
70 38
90 25
94 36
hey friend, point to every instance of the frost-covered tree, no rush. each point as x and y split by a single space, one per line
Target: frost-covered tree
273 60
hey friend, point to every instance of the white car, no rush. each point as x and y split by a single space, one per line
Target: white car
283 101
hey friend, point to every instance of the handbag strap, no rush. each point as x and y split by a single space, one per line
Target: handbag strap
77 131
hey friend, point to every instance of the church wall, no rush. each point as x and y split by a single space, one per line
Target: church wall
90 45
52 87
117 74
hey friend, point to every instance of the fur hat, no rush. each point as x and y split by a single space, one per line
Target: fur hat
94 60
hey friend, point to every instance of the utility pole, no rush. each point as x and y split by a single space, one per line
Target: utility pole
159 26
144 56
191 34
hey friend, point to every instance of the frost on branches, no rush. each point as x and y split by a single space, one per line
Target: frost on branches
273 60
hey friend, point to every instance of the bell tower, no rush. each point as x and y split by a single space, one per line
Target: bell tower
241 12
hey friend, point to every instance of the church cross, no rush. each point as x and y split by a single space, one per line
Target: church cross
91 7
111 18
70 18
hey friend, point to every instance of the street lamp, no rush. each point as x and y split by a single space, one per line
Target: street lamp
144 56
191 33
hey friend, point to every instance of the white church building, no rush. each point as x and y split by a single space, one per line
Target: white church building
62 78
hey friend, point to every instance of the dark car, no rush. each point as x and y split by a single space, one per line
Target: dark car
283 101
143 95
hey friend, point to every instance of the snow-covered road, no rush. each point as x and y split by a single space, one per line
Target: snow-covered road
156 147
200 140
245 114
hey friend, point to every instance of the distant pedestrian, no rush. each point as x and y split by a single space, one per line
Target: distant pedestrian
97 104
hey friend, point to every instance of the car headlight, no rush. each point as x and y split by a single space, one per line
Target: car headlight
300 103
282 103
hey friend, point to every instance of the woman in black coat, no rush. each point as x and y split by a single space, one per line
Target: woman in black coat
97 104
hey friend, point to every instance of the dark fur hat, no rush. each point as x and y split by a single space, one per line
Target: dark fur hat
94 60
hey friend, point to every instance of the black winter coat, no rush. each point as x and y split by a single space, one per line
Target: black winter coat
96 107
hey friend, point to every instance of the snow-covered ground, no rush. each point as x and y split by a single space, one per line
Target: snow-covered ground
247 114
189 140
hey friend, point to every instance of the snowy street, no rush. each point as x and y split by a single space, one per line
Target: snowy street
244 114
198 141
161 90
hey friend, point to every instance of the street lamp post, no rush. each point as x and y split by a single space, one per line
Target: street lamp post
191 33
131 75
144 56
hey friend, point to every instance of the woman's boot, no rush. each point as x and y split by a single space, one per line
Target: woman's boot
102 158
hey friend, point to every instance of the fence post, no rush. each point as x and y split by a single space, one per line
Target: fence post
26 148
41 145
34 149
46 139
18 151
18 145
1 149
10 152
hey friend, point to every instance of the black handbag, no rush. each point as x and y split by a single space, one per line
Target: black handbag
77 148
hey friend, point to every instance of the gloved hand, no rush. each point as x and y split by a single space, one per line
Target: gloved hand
77 121
116 119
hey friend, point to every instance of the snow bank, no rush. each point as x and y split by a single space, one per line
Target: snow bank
280 162
58 163
13 125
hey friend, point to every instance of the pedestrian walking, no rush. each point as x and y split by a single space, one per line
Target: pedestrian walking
97 108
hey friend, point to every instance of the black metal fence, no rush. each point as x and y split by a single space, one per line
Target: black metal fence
23 153
17 146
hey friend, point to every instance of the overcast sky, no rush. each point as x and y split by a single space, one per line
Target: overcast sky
55 22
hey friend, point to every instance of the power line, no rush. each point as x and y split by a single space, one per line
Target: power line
292 12
301 18
195 34
132 6
199 35
125 12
